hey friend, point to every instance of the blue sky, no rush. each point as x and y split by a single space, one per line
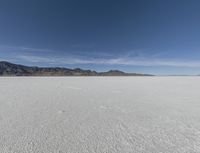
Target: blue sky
146 36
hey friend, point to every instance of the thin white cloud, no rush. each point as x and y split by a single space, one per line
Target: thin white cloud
8 48
36 49
130 58
112 61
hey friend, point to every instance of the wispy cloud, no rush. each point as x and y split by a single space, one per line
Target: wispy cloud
112 61
35 49
15 49
129 58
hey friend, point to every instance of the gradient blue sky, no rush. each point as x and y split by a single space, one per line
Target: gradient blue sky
146 36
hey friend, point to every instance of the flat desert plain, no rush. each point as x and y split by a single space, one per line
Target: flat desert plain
99 114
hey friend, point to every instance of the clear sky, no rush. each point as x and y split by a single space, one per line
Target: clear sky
147 36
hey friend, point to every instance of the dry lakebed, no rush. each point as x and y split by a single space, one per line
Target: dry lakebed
100 114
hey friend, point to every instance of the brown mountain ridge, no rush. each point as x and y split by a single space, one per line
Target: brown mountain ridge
10 69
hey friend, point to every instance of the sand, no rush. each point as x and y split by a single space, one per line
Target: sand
99 114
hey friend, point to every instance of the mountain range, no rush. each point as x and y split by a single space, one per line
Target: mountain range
10 69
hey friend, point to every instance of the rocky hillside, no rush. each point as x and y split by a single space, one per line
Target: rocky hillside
10 69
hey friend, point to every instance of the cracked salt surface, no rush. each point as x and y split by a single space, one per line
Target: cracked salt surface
100 115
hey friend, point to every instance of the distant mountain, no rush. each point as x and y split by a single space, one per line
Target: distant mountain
120 73
10 69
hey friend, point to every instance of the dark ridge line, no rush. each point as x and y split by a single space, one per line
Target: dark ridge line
11 69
